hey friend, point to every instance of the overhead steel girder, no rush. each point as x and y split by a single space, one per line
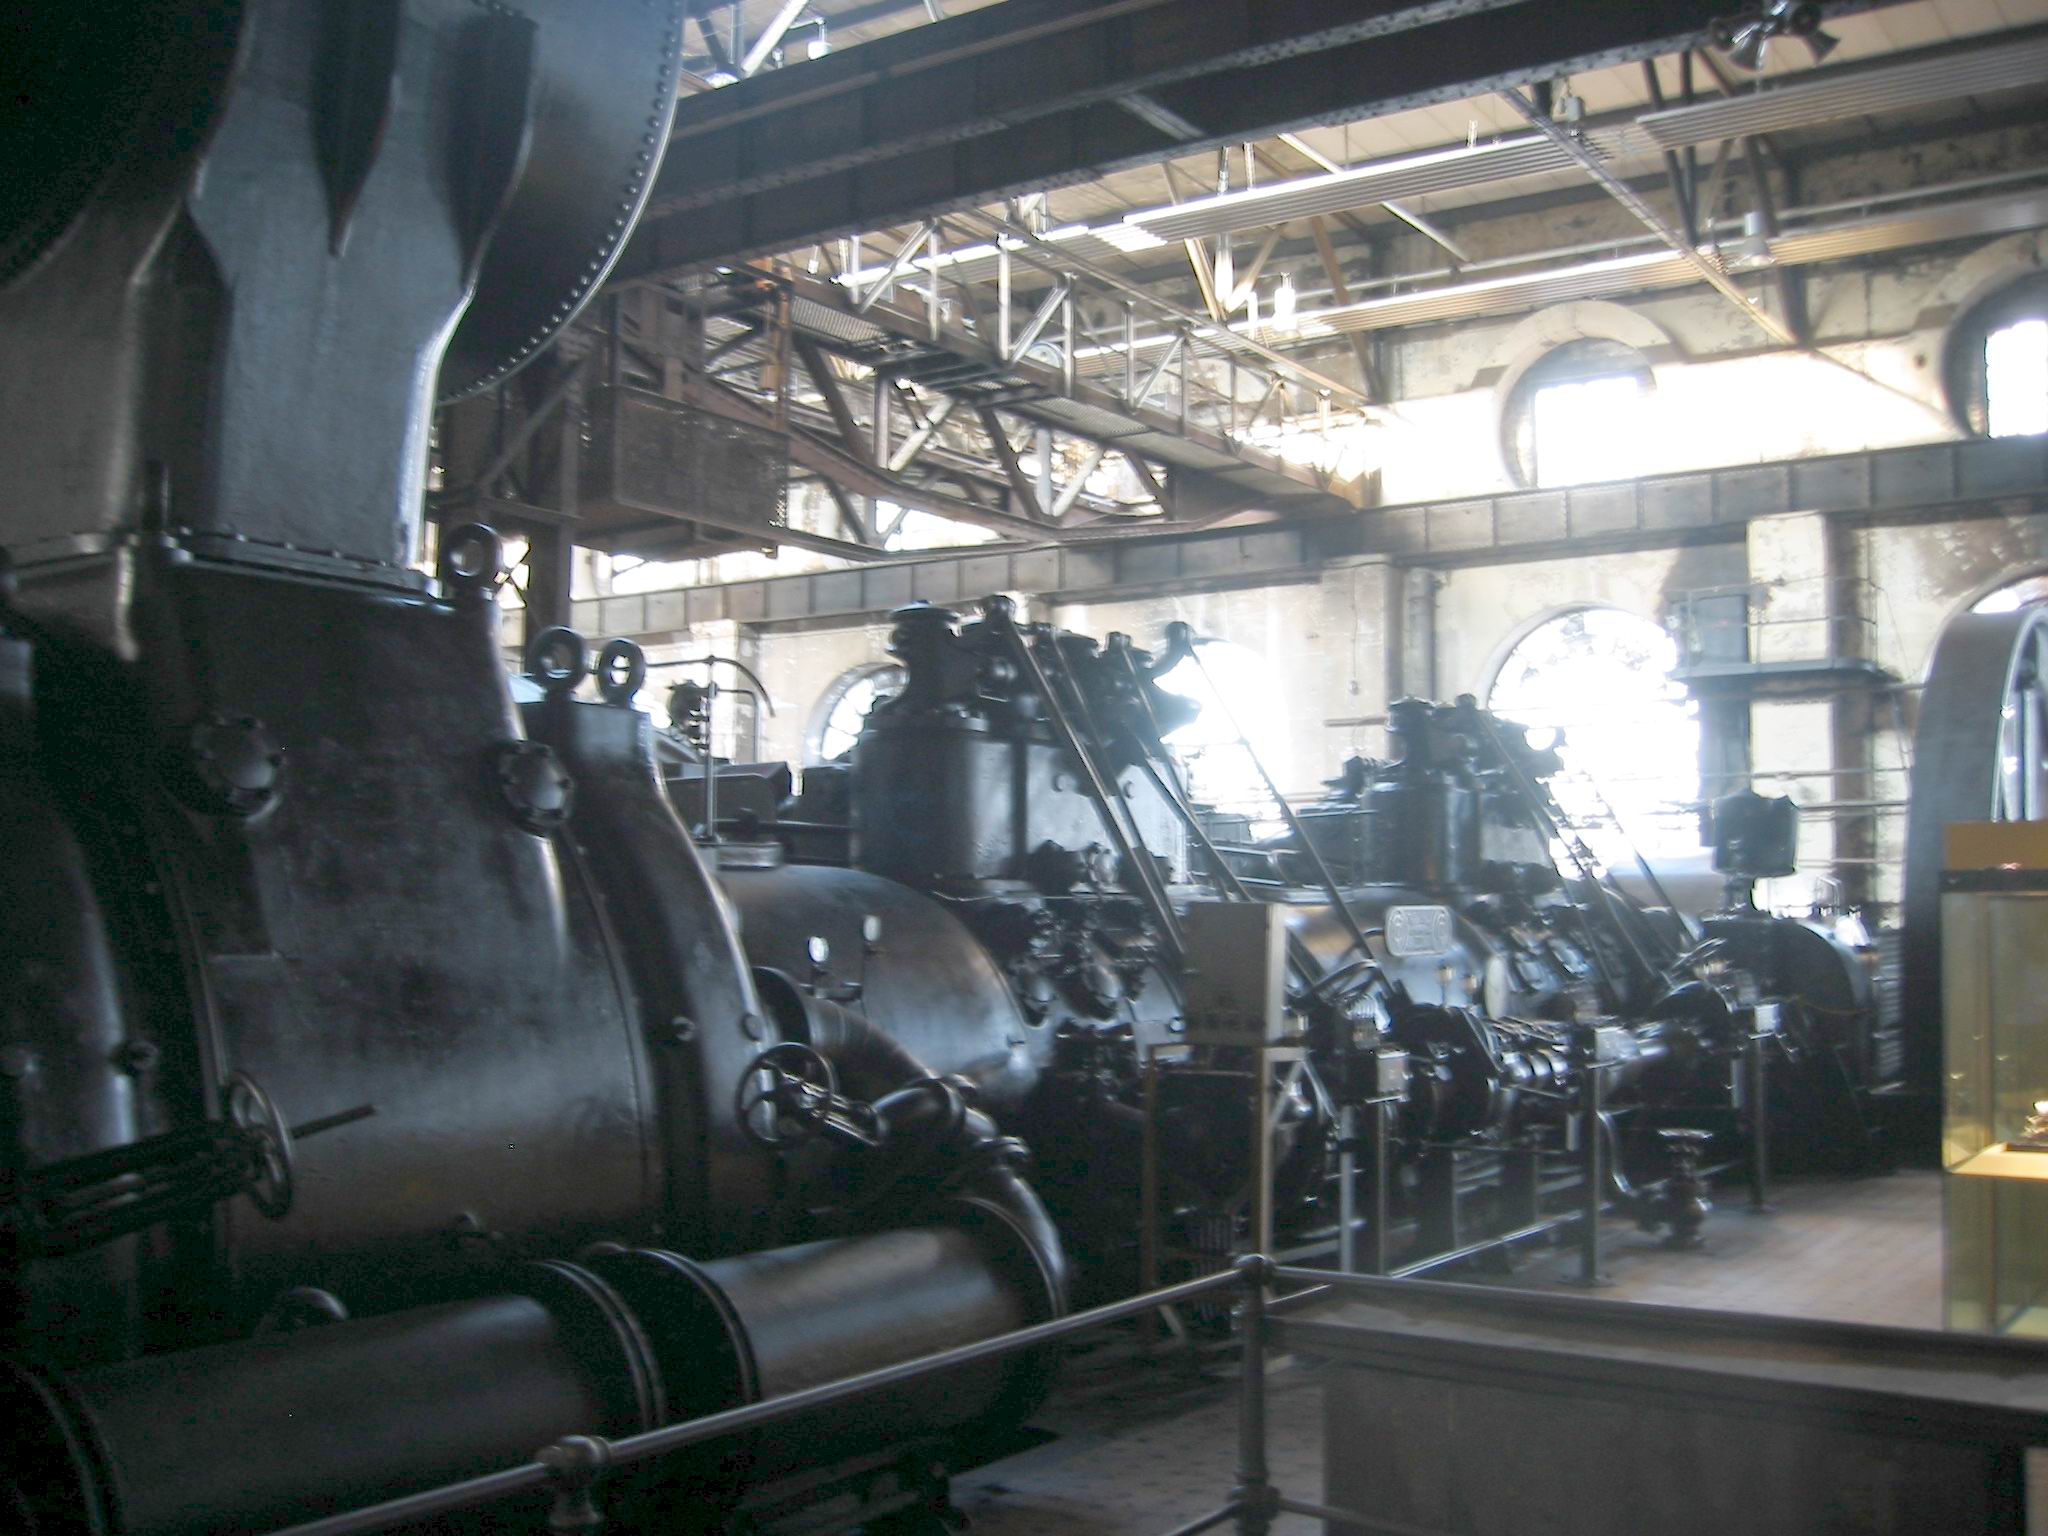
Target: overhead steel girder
1026 95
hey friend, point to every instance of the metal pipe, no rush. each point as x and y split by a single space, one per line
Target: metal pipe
632 1449
1041 317
1472 1250
1335 1517
1207 1522
771 35
902 259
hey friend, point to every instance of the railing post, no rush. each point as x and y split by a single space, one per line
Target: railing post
575 1463
1755 1089
1592 1155
1347 1192
1256 1499
1382 1112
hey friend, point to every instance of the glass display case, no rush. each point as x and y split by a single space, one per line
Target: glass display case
1994 969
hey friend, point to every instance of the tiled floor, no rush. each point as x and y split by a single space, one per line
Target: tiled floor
1148 1442
1858 1251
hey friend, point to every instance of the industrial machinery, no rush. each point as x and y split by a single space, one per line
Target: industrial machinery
383 1090
1005 875
391 1085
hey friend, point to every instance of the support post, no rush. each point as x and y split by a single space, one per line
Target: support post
1592 1156
1347 1192
1256 1499
1148 1180
1754 1086
1382 1168
574 1464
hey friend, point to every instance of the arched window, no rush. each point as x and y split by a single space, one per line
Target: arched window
837 719
1579 415
1216 768
1997 362
1600 679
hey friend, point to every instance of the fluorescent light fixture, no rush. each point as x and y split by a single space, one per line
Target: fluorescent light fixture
1129 237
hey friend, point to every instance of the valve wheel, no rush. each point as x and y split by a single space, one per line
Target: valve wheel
796 1087
252 1111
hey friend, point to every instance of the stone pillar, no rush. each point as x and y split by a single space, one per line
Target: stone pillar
1809 728
1379 618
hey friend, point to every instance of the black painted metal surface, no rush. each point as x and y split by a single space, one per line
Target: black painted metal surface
1029 95
1979 728
280 853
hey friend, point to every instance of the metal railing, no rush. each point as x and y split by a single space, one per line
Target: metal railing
1816 619
571 1470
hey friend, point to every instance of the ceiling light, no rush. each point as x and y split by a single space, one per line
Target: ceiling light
1803 22
1748 44
1752 253
1226 271
1746 38
820 45
1285 301
1129 236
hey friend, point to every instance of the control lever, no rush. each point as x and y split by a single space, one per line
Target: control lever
789 1095
81 1202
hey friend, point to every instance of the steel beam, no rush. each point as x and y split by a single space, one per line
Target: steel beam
1014 98
1975 478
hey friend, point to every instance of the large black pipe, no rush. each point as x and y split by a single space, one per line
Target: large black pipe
254 1435
257 1434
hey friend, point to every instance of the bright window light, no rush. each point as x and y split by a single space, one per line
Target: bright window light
1216 769
2016 379
856 694
1586 430
1630 736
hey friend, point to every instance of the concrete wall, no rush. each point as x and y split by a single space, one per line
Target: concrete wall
799 667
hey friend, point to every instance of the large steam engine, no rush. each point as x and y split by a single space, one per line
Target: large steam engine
391 1084
384 1092
1008 870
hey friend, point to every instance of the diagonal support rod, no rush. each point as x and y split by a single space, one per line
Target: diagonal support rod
772 35
819 367
905 254
1025 487
1708 267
